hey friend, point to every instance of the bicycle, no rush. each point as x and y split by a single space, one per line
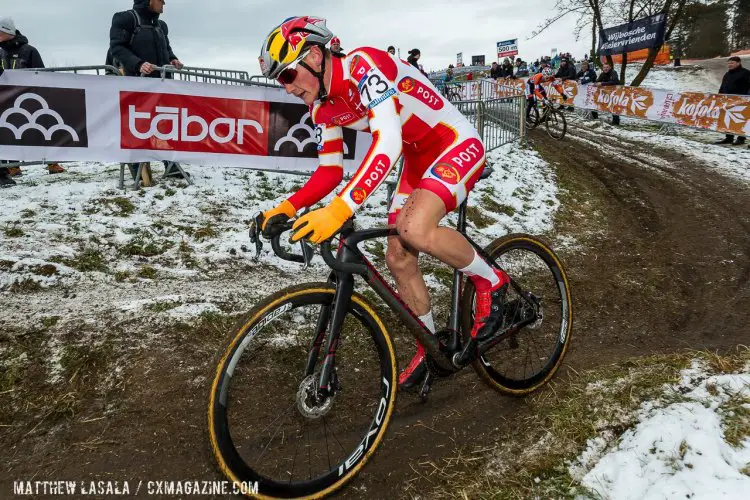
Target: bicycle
552 117
294 341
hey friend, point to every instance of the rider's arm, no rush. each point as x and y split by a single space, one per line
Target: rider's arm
375 77
330 172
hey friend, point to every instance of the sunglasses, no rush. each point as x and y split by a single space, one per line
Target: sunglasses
288 76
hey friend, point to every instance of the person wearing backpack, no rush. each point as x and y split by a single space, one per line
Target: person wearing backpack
139 42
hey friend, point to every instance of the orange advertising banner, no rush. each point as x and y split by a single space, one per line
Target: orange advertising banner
729 114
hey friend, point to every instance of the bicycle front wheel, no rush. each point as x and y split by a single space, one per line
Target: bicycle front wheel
555 124
527 357
266 419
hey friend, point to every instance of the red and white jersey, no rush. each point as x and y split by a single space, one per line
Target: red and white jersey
373 91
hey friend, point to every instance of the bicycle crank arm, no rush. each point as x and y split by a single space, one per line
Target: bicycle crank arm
474 348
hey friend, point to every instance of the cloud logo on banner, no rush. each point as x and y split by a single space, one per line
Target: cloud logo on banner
309 139
42 116
292 133
31 119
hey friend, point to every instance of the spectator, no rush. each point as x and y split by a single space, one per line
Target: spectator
586 75
495 71
507 68
469 77
413 59
607 77
448 75
336 46
566 71
392 50
736 81
522 69
16 53
139 42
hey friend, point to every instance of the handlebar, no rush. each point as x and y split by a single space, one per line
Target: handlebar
333 263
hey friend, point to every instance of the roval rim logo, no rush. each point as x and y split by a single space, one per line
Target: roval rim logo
446 172
358 194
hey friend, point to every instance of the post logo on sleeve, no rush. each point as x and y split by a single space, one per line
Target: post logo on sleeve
421 92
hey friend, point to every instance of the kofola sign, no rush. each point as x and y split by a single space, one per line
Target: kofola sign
641 34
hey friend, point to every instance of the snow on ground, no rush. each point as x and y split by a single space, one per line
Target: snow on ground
684 78
679 448
733 161
75 249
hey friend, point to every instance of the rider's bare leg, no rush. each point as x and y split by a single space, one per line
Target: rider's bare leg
403 263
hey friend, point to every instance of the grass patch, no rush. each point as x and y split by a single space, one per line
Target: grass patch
170 192
6 265
45 270
186 254
141 244
442 272
147 272
476 217
27 213
205 232
163 306
736 420
50 321
118 206
489 203
86 260
13 232
26 285
121 276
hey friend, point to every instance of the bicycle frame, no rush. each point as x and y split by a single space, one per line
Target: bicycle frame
350 261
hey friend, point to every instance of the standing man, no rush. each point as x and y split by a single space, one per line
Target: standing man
566 71
607 77
392 50
336 46
139 41
736 81
16 53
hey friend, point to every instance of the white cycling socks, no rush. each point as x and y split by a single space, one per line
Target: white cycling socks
428 321
481 273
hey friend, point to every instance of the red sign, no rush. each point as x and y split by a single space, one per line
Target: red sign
200 124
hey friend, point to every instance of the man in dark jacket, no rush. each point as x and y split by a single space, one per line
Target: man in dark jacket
586 75
138 42
736 81
507 68
16 53
566 71
495 71
607 77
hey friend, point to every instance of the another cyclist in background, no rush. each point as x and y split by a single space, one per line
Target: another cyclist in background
373 91
534 88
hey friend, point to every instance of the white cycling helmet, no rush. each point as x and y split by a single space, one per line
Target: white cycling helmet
547 71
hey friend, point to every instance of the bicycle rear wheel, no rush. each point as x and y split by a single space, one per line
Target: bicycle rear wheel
556 124
266 421
526 358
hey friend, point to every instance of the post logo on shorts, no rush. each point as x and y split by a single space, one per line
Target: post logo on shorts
447 173
358 195
421 92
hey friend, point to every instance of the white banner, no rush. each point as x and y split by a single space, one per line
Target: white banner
69 117
507 48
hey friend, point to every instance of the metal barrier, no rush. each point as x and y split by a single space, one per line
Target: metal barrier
107 69
496 111
212 75
197 76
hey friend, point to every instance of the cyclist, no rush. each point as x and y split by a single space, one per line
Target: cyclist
534 88
374 91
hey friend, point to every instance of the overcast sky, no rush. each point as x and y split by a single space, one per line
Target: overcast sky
228 33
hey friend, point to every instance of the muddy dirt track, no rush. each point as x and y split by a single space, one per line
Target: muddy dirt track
662 264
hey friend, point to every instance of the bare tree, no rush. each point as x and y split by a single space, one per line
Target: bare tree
673 10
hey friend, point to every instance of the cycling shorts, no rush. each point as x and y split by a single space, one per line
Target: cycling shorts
448 162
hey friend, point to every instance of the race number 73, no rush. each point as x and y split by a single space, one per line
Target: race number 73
374 85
